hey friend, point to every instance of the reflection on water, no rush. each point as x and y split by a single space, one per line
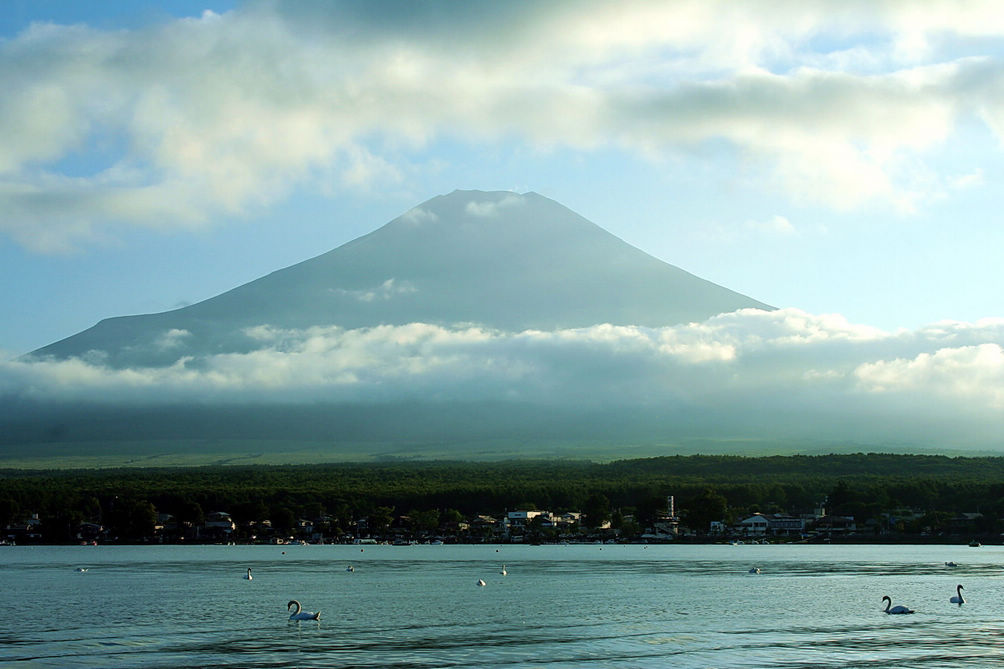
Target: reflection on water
559 606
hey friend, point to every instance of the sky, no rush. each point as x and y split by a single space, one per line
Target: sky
833 159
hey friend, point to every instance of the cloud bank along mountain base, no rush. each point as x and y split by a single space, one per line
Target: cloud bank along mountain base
492 315
750 374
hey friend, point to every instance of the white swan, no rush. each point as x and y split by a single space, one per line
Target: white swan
481 582
300 614
81 569
957 599
503 572
247 576
894 609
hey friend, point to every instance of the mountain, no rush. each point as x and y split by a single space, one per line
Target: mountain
496 259
510 263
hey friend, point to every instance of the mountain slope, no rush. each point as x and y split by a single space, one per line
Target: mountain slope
496 259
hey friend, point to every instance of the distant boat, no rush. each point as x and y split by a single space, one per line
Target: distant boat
974 544
951 564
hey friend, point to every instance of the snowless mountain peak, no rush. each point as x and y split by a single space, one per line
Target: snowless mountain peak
500 259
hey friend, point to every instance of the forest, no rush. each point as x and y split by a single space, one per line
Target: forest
927 491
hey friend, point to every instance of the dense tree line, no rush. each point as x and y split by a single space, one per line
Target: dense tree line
706 488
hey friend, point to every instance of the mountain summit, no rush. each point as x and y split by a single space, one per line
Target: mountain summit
497 259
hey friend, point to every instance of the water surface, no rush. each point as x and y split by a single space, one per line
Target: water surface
559 606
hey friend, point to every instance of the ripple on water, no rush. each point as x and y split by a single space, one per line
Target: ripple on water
680 606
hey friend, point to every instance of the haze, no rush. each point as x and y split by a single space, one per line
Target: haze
833 161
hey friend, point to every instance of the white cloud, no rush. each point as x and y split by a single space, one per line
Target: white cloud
489 209
973 179
385 291
967 373
213 116
172 339
775 225
418 216
781 372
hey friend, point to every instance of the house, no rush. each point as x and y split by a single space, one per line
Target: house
781 524
91 532
965 523
516 519
566 520
28 530
219 524
836 525
754 526
516 522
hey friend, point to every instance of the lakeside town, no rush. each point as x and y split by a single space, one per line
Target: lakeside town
519 526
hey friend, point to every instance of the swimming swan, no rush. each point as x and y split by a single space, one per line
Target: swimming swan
299 614
247 576
755 570
958 596
503 572
481 583
894 609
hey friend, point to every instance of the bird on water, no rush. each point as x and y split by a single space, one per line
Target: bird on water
299 613
894 609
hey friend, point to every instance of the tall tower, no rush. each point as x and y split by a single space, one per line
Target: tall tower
671 506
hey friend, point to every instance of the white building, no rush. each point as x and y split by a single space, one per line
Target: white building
782 524
754 526
519 520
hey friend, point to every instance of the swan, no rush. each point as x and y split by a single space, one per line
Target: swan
350 568
503 572
481 582
957 599
951 564
894 609
247 576
81 569
299 614
755 570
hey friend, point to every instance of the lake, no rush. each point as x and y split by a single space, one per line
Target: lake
559 606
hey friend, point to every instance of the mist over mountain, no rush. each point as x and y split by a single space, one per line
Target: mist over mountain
491 259
497 325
